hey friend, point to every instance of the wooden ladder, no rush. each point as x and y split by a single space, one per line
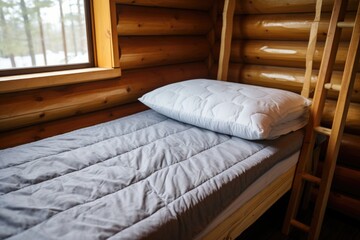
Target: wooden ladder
314 127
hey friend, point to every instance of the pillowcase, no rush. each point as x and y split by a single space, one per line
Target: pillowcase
245 111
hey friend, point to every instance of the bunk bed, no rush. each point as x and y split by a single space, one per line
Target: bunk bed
179 170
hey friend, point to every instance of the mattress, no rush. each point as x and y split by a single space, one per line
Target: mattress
140 177
261 183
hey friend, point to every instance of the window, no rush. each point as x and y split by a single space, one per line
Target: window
44 35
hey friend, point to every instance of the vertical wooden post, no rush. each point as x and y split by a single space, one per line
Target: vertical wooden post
105 35
311 50
226 35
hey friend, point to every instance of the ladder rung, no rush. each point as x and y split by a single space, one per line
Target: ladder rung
345 24
300 225
311 178
323 130
333 86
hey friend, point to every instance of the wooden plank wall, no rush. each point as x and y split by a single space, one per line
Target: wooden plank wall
160 42
269 47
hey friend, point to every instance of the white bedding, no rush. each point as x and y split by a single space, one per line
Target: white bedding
140 177
245 111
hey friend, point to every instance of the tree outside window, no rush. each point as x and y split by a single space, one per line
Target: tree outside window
41 33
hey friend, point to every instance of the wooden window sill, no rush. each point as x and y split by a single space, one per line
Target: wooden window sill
51 79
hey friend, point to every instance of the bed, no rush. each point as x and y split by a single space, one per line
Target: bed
204 163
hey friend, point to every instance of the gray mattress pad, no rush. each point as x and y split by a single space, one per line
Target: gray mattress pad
144 176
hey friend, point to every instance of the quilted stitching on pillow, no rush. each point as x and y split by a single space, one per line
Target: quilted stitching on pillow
246 111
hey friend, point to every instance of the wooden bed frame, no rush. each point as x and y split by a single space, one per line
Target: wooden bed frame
248 213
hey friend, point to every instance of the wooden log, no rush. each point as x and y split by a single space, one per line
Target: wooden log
290 79
139 52
285 6
352 124
345 204
282 27
44 105
286 78
346 180
349 153
44 130
151 78
342 203
135 21
280 53
52 103
185 4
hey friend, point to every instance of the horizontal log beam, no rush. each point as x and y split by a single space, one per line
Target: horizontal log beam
285 6
185 4
346 180
349 153
42 105
342 203
352 124
142 21
280 53
139 52
44 130
281 27
286 78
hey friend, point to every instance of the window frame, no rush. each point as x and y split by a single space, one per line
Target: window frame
52 68
105 52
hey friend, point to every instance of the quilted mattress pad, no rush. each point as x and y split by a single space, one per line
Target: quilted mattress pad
140 177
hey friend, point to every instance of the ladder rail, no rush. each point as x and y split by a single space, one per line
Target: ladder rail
329 56
325 72
342 107
305 92
297 188
313 128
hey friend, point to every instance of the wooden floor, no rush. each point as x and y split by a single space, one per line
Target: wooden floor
336 226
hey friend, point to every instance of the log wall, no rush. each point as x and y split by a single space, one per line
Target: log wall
269 46
160 42
164 41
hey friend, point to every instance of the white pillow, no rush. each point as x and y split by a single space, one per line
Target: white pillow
245 111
